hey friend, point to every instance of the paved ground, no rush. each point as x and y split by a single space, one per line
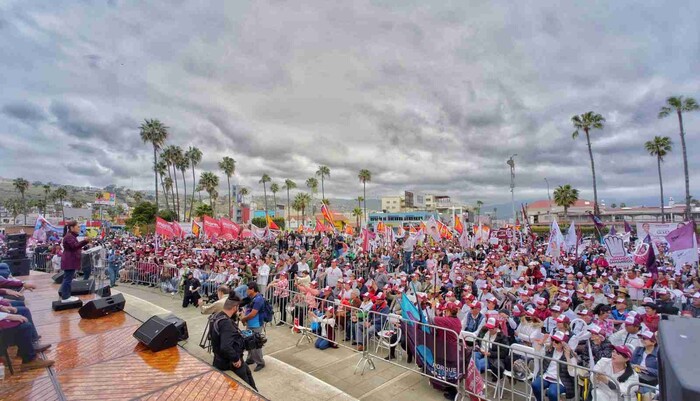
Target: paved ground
295 373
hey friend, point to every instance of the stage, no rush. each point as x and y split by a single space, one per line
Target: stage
100 359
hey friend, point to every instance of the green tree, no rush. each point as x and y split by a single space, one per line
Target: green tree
47 195
183 163
138 197
172 155
194 155
301 201
142 214
264 180
210 182
168 187
60 194
203 210
681 105
161 168
288 186
565 196
155 133
660 146
14 207
357 212
228 165
167 215
479 204
587 122
365 176
323 171
21 185
261 222
76 202
274 188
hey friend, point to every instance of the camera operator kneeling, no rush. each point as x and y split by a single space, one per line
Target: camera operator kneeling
228 343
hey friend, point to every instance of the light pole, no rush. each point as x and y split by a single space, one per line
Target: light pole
511 163
549 209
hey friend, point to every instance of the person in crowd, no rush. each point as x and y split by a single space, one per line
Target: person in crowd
598 347
228 344
253 320
613 376
326 328
222 294
70 261
17 330
645 360
281 295
374 322
602 318
693 308
651 317
192 286
474 320
559 370
629 334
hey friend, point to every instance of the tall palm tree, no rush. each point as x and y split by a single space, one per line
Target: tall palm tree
264 180
312 184
274 188
359 204
587 122
209 182
365 176
323 171
228 165
155 133
680 105
244 192
302 200
47 194
357 212
194 155
659 147
479 204
289 185
168 187
161 168
565 196
61 194
22 185
172 155
183 163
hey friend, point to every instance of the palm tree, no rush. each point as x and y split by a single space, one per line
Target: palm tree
264 180
47 194
60 194
22 185
586 122
323 171
565 196
659 147
357 212
229 166
289 185
479 204
365 176
302 200
168 187
14 207
155 133
209 182
680 105
75 202
359 203
172 154
161 168
194 155
274 188
182 163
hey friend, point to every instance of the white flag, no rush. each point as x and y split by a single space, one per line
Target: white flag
556 240
571 238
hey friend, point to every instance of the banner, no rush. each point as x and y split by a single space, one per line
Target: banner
657 232
229 228
164 228
556 240
105 198
177 230
43 229
432 229
683 247
196 229
616 252
212 229
422 338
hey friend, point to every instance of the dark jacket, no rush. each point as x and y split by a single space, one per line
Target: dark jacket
72 249
652 362
226 342
564 376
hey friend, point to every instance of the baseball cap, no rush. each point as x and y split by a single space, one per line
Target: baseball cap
595 329
623 350
491 323
632 321
563 319
649 335
559 337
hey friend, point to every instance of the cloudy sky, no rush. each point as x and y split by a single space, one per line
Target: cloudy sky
432 96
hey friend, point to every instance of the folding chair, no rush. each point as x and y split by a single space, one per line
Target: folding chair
391 326
528 354
5 354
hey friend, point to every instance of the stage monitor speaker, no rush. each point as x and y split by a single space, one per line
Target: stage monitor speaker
19 267
104 291
59 306
157 334
58 277
82 287
102 307
180 325
678 367
15 253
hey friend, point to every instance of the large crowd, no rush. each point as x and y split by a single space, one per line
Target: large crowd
575 308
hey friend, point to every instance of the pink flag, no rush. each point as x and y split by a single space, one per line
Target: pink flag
211 227
228 228
681 238
163 228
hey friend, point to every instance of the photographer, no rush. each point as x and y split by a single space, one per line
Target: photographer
228 344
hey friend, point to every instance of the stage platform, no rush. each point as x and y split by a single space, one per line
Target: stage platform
99 359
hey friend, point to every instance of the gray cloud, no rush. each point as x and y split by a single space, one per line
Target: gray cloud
432 98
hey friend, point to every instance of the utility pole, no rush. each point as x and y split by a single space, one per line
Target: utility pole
511 163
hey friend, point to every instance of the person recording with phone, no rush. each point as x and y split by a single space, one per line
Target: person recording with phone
70 261
227 342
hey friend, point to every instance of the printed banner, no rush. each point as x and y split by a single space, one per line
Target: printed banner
212 229
164 228
105 198
657 232
229 228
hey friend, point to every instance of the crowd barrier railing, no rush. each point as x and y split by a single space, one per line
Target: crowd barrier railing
151 275
642 392
42 262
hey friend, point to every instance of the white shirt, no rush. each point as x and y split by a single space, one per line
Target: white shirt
333 275
263 274
622 337
552 372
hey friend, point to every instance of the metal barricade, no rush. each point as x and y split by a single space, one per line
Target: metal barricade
642 392
42 262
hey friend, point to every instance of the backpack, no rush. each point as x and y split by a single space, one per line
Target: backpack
266 312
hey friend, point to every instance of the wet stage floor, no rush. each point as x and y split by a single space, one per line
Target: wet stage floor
99 359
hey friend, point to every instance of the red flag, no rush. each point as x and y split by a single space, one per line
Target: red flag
212 229
301 228
319 226
458 225
163 228
348 229
326 212
229 228
365 240
271 224
177 230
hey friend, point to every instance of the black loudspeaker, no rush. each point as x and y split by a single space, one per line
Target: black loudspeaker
678 368
180 325
19 267
102 307
82 287
58 277
16 253
104 291
157 334
58 305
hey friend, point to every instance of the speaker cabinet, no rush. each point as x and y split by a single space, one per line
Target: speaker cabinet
58 277
180 325
59 306
82 287
103 291
678 368
157 334
102 307
19 267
